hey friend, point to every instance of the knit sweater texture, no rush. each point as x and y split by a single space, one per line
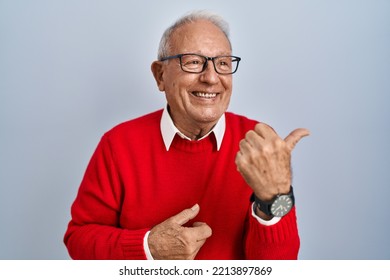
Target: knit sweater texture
133 183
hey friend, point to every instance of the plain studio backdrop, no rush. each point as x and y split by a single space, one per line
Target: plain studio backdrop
71 70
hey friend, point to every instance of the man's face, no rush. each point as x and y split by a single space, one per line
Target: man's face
196 101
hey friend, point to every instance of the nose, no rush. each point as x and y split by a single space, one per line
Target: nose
209 75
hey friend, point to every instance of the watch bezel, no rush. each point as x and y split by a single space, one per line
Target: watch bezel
287 204
266 207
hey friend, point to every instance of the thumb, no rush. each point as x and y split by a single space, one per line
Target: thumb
203 230
186 215
295 136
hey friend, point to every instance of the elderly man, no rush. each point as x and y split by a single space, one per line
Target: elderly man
191 181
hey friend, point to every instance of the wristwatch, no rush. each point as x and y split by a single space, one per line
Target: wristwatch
279 206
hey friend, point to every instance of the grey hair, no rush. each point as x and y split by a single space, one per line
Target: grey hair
193 16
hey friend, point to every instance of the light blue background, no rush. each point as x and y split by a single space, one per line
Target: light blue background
70 70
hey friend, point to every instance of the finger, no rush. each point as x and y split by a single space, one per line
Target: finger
198 224
245 146
265 131
295 136
186 215
253 139
239 160
201 231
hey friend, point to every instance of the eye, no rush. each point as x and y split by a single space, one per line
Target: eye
225 62
192 61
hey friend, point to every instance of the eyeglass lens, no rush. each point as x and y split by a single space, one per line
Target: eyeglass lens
196 63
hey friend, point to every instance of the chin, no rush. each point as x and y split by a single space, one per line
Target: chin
209 117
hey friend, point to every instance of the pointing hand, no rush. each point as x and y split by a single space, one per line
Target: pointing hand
264 160
171 240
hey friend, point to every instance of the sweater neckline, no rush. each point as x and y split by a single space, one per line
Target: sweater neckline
194 146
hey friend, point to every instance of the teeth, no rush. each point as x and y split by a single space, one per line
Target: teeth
205 94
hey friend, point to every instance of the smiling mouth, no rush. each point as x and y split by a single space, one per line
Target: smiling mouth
206 95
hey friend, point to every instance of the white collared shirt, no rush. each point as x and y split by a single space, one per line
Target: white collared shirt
168 132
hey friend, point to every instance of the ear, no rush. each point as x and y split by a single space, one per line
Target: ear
157 68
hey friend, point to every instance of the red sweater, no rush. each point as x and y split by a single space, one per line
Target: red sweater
133 183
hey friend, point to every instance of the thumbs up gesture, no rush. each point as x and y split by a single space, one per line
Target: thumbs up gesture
264 160
170 240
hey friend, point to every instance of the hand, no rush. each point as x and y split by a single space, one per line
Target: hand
264 160
171 241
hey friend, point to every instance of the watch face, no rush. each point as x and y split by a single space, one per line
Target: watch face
281 206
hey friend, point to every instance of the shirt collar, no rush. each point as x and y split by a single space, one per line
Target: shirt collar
169 130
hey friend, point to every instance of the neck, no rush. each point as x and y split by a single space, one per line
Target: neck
192 130
195 134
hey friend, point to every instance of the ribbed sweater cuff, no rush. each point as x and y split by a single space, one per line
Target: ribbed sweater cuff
133 244
283 230
278 241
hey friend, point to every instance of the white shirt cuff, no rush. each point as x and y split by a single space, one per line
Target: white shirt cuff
271 222
146 247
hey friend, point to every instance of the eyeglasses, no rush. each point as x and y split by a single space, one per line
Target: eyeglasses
196 63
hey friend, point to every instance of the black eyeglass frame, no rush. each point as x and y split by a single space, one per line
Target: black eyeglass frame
179 56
